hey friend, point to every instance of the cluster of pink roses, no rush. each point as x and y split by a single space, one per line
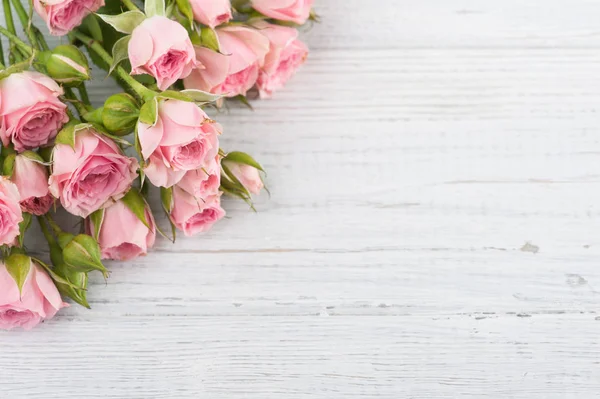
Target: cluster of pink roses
61 151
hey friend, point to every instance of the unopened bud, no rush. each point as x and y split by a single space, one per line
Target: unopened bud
120 114
66 64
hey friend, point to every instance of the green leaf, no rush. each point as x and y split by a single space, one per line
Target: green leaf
23 226
243 158
166 198
200 96
125 22
136 204
18 267
96 219
8 167
149 112
120 52
154 7
186 9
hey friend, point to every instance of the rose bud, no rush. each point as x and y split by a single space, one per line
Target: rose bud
161 48
32 300
296 11
62 16
211 12
31 178
120 114
235 70
123 236
203 182
286 54
194 215
182 139
10 212
66 64
92 174
30 112
247 175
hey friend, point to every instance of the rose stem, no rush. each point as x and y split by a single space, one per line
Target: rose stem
18 42
24 17
138 89
130 5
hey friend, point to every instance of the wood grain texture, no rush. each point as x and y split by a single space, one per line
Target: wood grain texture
432 231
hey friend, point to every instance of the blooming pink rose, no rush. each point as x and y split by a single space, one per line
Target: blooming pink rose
286 54
123 236
31 178
247 175
296 11
39 299
183 138
30 113
161 48
10 212
211 12
194 215
203 182
62 16
235 71
92 175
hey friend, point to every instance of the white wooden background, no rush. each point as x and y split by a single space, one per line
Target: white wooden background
433 230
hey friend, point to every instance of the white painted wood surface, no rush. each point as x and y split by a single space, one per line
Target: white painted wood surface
432 233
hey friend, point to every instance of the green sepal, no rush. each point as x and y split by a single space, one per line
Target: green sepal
53 275
243 158
166 198
18 266
149 112
125 22
64 239
209 39
202 97
186 9
136 204
8 167
23 226
154 7
120 52
97 218
67 134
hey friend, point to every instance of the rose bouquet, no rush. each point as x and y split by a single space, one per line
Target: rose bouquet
173 59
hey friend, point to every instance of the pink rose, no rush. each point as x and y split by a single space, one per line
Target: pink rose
247 175
286 54
92 175
39 299
123 236
161 48
235 71
10 212
62 16
296 11
211 12
193 215
30 113
31 178
203 182
182 139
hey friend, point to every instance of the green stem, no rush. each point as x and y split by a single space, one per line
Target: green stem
84 94
2 66
26 22
49 237
137 88
130 5
79 106
56 228
18 42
